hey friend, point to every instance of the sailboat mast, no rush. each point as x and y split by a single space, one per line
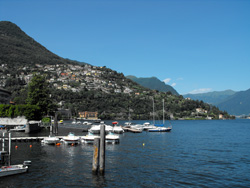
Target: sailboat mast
153 112
163 113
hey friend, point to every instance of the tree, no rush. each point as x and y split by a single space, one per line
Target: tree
38 94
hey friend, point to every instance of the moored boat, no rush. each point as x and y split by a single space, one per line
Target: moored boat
117 128
89 138
112 138
71 139
95 129
18 128
51 140
147 126
160 129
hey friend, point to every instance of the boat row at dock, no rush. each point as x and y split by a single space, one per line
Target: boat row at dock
112 134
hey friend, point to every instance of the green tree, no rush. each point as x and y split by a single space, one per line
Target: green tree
38 94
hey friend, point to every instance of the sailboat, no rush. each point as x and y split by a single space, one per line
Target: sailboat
160 127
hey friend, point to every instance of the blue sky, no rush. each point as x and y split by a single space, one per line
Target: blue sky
194 45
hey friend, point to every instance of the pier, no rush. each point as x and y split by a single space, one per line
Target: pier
31 139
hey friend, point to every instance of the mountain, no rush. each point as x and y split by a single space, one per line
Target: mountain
17 48
237 104
154 84
215 97
82 87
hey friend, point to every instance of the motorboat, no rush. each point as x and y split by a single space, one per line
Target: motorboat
108 128
95 129
117 129
86 123
18 128
74 122
112 138
137 127
71 138
51 140
89 138
147 126
7 169
13 169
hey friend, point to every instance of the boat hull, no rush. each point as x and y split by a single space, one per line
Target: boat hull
12 170
160 130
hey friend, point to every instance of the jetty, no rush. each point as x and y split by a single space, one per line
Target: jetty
32 139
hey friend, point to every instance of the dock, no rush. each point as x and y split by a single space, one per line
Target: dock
31 139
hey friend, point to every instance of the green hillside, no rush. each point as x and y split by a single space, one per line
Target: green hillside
17 48
153 83
82 87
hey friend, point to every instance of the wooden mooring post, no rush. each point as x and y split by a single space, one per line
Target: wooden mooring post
99 153
102 150
95 164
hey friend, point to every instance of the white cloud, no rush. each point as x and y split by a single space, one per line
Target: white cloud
180 79
173 84
167 80
202 90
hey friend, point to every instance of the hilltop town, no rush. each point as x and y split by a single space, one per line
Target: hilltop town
70 77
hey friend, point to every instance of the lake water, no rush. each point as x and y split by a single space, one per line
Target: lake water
194 154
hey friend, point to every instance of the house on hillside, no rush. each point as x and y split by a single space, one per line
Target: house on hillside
88 115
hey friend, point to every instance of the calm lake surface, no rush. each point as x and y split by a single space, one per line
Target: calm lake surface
194 154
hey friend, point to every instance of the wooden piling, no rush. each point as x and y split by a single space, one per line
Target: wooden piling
102 150
55 128
95 165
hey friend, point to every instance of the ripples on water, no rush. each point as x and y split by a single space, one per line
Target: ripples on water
194 154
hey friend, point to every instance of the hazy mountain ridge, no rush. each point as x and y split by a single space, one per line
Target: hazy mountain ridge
211 97
236 103
154 84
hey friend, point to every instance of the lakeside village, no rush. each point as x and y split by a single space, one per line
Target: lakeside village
68 77
75 78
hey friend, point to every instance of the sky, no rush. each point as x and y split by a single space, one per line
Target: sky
196 46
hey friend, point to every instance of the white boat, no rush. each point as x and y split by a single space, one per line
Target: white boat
13 169
89 138
6 156
160 129
86 123
18 128
108 128
112 138
71 139
78 122
74 122
147 126
137 127
95 129
51 140
117 128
